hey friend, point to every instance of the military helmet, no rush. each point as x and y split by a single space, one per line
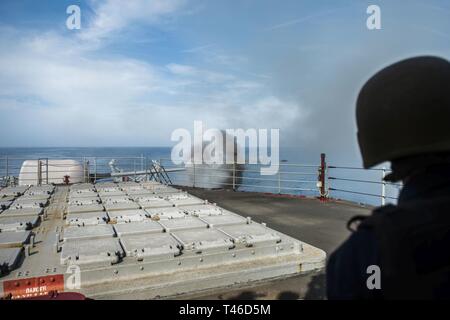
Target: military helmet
404 110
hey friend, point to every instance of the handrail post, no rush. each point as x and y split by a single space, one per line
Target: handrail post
146 169
322 177
95 169
193 185
279 181
234 176
88 173
383 187
46 170
39 172
7 167
84 168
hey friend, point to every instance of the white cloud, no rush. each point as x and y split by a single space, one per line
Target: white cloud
115 15
200 74
54 91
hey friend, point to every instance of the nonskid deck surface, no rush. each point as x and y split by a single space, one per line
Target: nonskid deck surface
135 240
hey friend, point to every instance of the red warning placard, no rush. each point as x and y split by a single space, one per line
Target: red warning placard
33 287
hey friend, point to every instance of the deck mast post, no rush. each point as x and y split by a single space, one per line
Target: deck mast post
383 187
7 169
279 182
46 170
39 172
322 177
234 176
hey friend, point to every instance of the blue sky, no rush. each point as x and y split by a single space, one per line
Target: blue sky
139 69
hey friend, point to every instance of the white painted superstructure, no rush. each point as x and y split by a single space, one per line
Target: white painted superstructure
34 172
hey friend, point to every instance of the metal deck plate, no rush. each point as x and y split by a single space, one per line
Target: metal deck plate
132 188
8 198
223 220
37 193
42 188
36 197
84 201
82 194
203 210
24 203
88 232
5 204
149 202
105 186
13 191
93 252
146 227
127 216
155 246
86 218
13 212
252 234
9 258
126 184
14 239
204 241
111 193
137 193
182 224
18 223
82 187
120 204
160 188
183 199
85 208
166 213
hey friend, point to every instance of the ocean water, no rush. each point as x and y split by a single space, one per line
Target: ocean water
297 174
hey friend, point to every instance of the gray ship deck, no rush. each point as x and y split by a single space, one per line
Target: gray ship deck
321 224
142 240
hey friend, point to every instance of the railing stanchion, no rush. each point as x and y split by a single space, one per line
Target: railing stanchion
322 173
46 170
383 187
234 176
193 184
7 168
39 172
279 182
146 168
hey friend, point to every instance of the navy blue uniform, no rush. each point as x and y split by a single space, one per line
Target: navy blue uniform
409 242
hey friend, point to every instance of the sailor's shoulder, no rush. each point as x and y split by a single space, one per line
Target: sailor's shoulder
378 216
